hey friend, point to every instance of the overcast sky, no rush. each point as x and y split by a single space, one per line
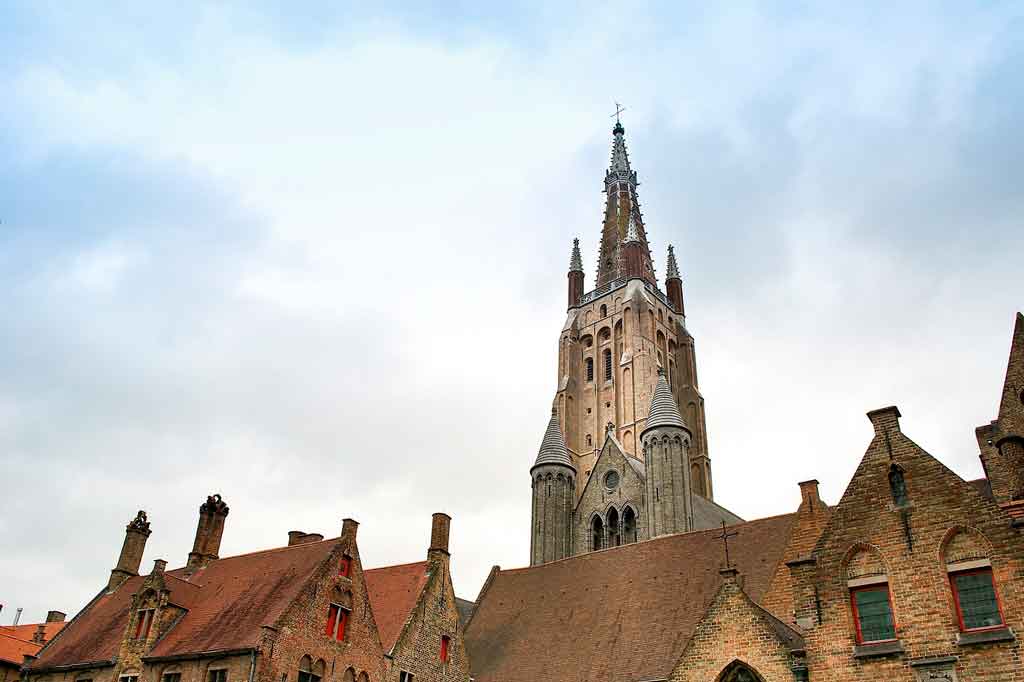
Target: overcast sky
313 256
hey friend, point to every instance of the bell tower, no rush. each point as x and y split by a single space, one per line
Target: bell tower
620 334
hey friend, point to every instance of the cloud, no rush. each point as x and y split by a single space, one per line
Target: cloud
317 263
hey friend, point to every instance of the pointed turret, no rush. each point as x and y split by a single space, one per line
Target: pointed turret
575 275
1009 432
621 209
553 477
673 283
666 441
632 252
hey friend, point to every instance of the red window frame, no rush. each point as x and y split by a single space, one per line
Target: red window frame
143 622
345 567
956 599
337 622
445 640
856 616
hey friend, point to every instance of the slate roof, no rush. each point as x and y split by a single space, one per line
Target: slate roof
621 614
465 609
393 593
664 411
552 447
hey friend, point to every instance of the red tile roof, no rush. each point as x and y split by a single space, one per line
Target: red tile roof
393 591
619 614
227 602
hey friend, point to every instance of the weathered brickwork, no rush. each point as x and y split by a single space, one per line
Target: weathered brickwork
908 541
735 631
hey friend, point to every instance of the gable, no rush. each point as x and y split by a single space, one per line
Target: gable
393 591
595 497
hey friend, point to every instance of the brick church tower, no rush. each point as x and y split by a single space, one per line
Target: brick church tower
616 341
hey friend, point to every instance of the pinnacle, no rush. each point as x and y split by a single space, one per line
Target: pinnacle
672 271
552 447
576 260
1011 406
632 236
664 411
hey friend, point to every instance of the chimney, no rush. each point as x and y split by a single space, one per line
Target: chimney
17 615
158 566
806 603
809 499
135 536
55 616
885 420
39 636
209 531
348 530
439 528
298 537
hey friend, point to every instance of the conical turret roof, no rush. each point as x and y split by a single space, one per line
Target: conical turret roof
552 448
664 411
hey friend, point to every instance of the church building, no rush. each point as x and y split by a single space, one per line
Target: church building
637 575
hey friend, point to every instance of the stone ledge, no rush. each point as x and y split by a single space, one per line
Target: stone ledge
933 660
880 649
1004 634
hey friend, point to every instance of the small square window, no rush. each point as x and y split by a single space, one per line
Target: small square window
976 603
218 675
872 613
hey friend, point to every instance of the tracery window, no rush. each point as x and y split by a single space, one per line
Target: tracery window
738 672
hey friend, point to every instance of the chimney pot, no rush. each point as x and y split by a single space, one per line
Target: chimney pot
439 529
135 535
885 419
55 616
209 531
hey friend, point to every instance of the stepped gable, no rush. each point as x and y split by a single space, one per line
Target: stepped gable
393 592
635 606
228 602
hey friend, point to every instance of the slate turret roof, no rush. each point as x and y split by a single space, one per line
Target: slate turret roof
664 411
552 447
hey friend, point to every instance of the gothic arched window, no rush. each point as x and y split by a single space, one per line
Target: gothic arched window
738 672
629 525
614 538
597 533
589 362
604 311
607 365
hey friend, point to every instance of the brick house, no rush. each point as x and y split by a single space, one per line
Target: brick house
26 639
303 612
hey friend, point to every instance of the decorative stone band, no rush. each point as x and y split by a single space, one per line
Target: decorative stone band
867 580
967 565
618 284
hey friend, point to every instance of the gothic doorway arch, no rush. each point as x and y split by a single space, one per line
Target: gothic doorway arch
737 671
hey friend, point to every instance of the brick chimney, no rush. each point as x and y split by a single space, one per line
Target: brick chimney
349 527
39 636
439 528
298 537
135 536
209 532
885 420
809 498
55 616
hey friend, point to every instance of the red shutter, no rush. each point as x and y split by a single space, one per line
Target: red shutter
444 648
332 618
346 566
139 615
342 623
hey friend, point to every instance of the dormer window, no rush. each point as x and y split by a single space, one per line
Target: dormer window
143 622
345 567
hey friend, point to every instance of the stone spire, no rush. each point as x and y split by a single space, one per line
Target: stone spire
672 271
1011 406
552 447
664 411
622 208
576 261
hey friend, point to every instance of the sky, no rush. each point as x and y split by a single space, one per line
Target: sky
313 257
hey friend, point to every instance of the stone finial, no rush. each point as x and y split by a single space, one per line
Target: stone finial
576 260
672 271
140 524
214 505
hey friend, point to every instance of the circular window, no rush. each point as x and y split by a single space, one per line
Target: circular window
611 480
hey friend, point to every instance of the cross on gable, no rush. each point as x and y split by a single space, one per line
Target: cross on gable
724 537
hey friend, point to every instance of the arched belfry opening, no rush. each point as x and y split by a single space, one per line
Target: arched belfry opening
614 536
629 525
737 671
597 534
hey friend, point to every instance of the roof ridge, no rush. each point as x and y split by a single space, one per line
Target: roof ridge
255 552
640 542
409 563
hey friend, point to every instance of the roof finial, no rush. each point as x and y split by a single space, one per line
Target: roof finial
672 271
576 261
618 129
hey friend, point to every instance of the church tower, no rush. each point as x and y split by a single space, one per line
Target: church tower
619 335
